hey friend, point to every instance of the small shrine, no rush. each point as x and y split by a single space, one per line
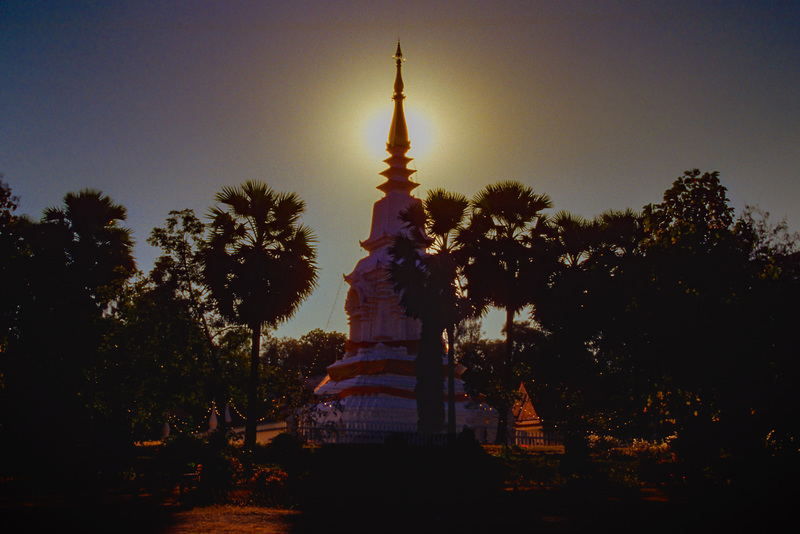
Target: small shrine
369 393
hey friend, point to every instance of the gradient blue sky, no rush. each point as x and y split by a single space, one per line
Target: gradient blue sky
600 104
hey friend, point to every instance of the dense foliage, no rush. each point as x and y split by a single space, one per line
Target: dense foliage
673 320
97 355
63 273
679 319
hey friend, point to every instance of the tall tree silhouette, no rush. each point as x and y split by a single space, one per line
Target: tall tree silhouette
698 305
68 268
506 232
575 374
425 270
9 248
260 264
179 272
98 255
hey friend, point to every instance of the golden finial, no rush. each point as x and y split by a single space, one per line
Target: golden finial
398 82
398 132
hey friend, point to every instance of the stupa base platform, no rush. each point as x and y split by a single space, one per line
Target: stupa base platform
376 418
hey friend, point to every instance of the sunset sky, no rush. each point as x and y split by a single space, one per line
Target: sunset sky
600 104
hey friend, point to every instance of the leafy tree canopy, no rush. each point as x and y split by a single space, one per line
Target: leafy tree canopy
693 213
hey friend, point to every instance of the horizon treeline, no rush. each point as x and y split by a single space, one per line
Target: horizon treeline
679 318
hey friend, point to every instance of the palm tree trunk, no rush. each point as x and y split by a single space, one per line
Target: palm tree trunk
252 389
504 371
451 384
428 368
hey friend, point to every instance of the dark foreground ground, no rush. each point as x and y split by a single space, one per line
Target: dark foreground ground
522 511
370 490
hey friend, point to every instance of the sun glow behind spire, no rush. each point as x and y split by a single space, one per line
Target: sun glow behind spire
421 131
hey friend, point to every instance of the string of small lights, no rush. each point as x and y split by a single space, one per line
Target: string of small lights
178 423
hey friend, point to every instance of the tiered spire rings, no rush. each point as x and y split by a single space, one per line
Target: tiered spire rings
398 173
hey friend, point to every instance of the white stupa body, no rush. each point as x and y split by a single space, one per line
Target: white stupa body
372 386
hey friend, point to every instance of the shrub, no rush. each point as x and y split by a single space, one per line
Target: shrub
602 444
270 486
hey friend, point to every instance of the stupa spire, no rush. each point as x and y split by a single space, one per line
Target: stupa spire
398 132
398 173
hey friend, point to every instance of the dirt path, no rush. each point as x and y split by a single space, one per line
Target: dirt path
227 519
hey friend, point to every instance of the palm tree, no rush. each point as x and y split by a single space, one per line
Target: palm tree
506 231
425 271
96 254
98 249
260 264
622 231
573 238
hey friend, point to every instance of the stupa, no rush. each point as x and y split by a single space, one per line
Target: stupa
372 386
